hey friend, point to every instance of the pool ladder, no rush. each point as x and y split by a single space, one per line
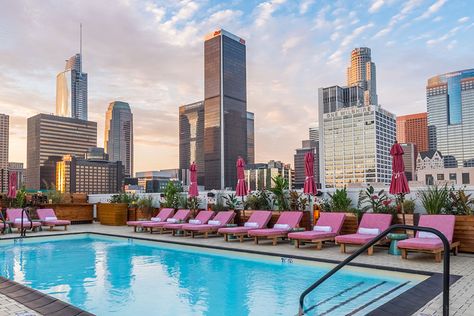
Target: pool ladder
364 248
22 227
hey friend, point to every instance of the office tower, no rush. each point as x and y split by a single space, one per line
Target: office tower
71 90
20 173
314 133
361 73
4 140
450 102
250 137
299 162
335 98
355 147
259 175
156 181
49 138
191 140
413 128
96 153
410 155
91 176
225 108
119 135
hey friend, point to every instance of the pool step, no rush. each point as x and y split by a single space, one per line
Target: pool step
335 296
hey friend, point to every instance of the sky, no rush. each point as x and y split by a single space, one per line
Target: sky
150 54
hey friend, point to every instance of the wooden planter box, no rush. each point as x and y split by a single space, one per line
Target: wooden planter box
240 219
112 214
351 224
136 214
464 232
77 213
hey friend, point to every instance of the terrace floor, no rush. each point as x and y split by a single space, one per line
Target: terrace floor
461 293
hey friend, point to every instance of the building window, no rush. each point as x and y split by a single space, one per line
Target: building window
429 179
453 177
465 178
440 177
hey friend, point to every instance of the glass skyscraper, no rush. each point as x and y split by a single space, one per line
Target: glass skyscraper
450 102
4 139
118 138
225 108
71 90
250 137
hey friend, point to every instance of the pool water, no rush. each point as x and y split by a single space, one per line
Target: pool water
122 276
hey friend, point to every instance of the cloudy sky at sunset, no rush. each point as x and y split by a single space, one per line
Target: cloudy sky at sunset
150 54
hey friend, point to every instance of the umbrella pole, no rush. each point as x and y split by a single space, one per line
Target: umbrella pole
243 207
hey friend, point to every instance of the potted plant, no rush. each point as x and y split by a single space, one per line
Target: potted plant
279 189
434 199
115 213
144 208
339 201
461 205
171 195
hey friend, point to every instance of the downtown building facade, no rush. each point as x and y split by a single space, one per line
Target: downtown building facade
260 176
299 163
225 108
4 145
49 138
215 132
118 138
71 90
90 176
450 103
20 170
413 128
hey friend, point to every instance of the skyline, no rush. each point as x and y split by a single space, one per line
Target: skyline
163 61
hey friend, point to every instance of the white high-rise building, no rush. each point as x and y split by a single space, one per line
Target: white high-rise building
356 145
119 135
4 140
362 73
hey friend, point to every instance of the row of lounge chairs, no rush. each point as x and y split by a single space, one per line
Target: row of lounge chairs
328 228
47 217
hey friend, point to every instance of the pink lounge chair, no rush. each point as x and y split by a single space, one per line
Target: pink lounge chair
286 222
219 221
203 217
48 217
14 216
326 229
426 242
162 216
258 220
370 226
179 216
3 226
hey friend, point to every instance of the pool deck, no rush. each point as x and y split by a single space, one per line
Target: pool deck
461 292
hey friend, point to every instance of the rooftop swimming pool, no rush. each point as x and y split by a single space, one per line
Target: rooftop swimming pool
124 276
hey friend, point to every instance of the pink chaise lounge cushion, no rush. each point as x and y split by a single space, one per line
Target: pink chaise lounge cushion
334 220
260 217
369 220
47 212
181 215
164 214
14 213
290 218
203 216
223 217
443 223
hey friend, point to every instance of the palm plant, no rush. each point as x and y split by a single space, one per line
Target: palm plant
340 201
232 202
280 186
434 199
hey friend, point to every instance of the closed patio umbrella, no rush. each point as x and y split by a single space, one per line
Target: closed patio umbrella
241 189
12 185
193 187
399 183
309 184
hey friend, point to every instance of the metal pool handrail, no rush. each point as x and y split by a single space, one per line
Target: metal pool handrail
372 243
22 229
3 221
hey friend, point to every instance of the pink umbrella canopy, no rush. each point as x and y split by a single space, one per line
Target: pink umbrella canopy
241 189
399 183
309 184
12 185
193 187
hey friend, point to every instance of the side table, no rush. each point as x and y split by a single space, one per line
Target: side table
393 244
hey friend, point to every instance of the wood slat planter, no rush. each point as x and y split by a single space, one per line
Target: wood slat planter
305 220
112 214
77 213
136 214
464 232
351 223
